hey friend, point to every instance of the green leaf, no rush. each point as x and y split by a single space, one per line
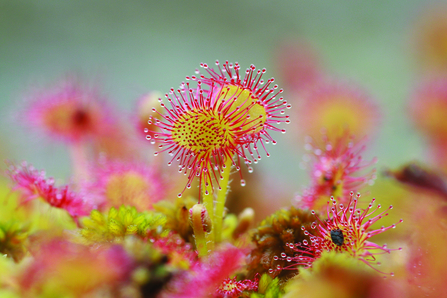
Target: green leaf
139 220
128 218
113 213
115 227
264 282
131 229
273 290
2 235
97 217
88 223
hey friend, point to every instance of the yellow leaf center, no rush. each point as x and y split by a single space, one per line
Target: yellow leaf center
202 131
245 99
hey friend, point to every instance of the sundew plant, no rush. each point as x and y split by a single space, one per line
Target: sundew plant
168 200
126 221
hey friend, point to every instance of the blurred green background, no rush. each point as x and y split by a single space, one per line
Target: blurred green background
132 47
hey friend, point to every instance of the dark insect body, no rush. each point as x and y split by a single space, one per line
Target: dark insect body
337 237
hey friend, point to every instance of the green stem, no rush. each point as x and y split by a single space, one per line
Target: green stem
208 202
199 233
221 198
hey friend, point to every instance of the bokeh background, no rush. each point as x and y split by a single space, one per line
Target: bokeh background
132 47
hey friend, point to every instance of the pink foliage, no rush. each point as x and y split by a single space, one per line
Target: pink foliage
33 184
207 274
